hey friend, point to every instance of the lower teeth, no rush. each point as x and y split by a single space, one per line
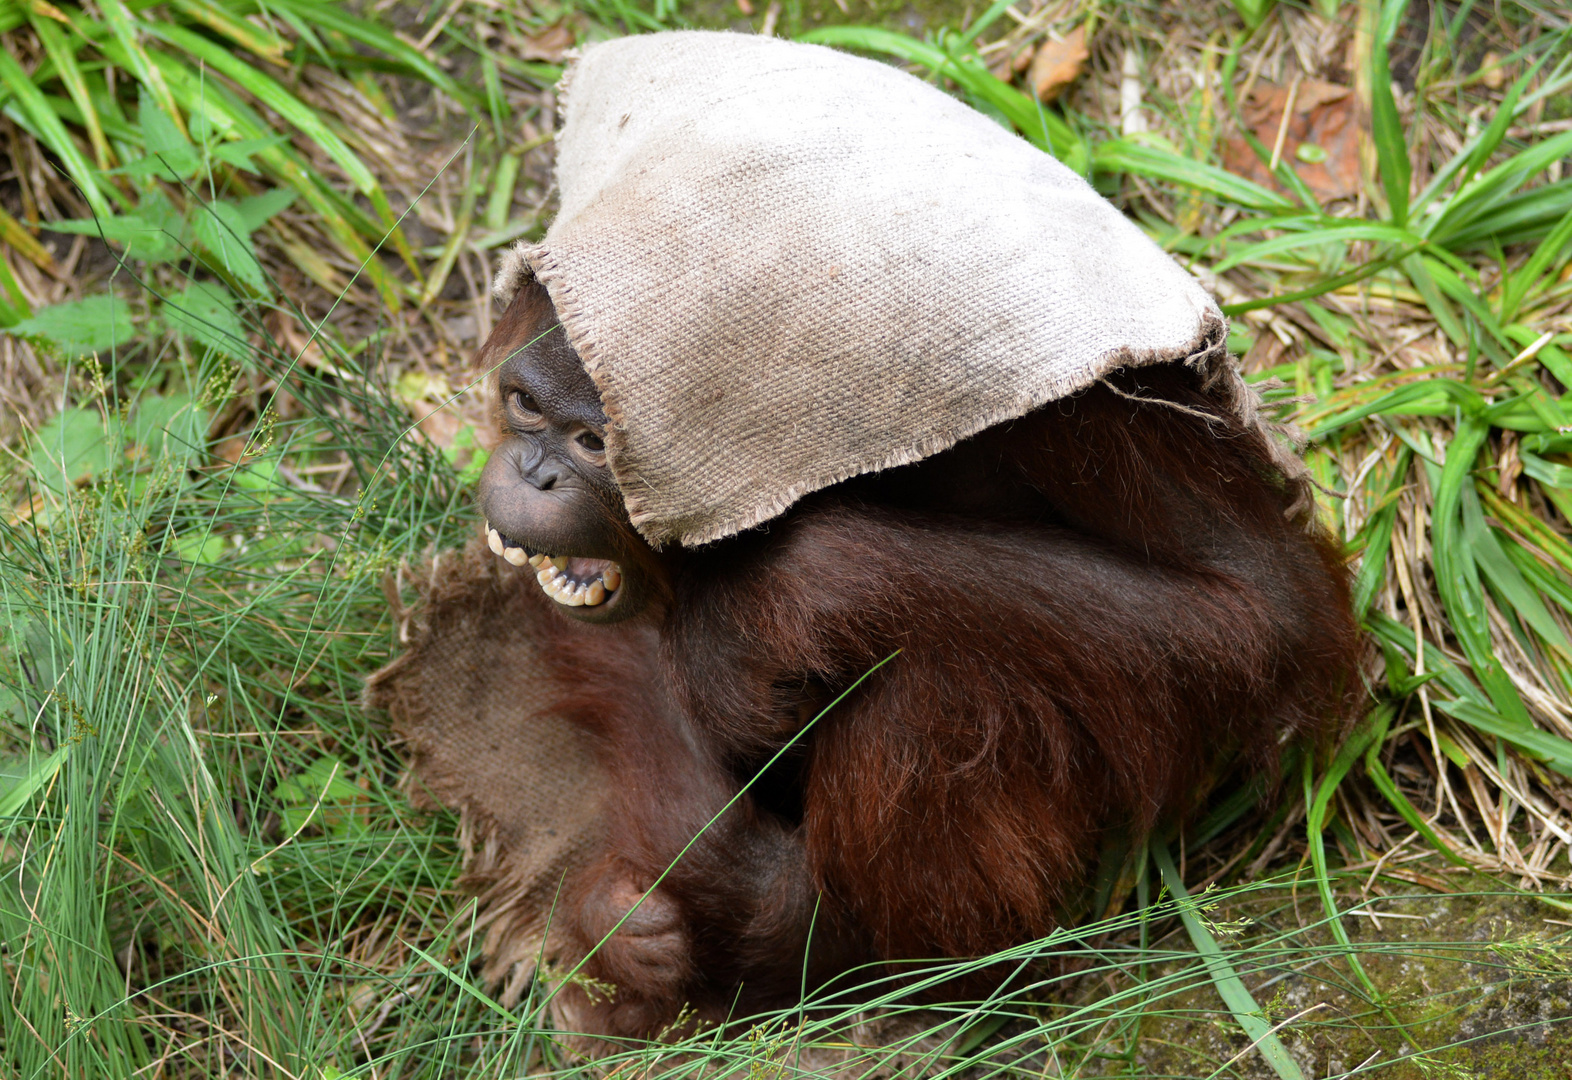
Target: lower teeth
576 594
550 572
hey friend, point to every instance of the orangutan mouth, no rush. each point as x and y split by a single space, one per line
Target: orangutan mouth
572 582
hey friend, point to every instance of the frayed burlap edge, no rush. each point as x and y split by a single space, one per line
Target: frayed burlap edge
529 807
1207 354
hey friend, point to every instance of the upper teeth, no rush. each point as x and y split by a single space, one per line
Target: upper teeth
550 571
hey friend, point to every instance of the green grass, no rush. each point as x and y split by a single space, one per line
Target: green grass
208 865
186 645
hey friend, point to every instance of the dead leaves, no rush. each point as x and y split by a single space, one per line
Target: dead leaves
549 44
1057 64
1319 141
1051 65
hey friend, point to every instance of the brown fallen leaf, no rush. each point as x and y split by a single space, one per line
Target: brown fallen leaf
549 44
1320 142
1058 64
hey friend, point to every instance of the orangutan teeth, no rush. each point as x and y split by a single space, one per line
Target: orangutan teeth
563 591
551 573
514 554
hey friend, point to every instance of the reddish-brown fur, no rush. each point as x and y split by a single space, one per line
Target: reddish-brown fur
1092 606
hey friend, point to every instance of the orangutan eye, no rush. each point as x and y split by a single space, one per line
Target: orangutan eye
592 442
521 401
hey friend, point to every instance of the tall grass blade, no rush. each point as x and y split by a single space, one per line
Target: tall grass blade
1544 746
13 302
1378 537
1321 287
335 18
1386 128
48 129
1517 286
1159 163
1394 796
270 93
125 27
1247 1014
1457 578
255 39
22 788
1253 11
1516 594
994 13
1490 190
1318 234
274 96
63 55
1318 798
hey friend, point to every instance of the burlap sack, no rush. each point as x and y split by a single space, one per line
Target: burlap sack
485 735
785 266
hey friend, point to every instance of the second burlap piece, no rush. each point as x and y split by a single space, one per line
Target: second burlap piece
490 734
785 266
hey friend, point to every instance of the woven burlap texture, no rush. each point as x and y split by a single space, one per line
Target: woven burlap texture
785 266
487 735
